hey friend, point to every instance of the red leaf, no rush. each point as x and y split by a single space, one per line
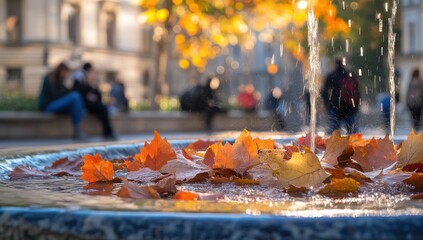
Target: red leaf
319 142
66 166
416 167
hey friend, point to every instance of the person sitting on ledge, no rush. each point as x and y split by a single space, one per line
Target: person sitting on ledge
56 98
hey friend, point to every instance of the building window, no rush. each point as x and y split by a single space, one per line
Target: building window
72 22
14 77
412 37
13 21
146 78
111 29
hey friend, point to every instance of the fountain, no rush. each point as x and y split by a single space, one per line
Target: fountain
65 208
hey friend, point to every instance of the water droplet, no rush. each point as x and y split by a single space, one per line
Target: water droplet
347 45
361 51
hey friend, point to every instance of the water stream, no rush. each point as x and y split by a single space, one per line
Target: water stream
314 63
391 54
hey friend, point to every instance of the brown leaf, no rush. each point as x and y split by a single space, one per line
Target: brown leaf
64 165
133 190
184 169
376 154
415 167
411 150
27 172
96 169
416 180
335 146
289 149
156 154
245 181
210 154
144 175
165 185
340 185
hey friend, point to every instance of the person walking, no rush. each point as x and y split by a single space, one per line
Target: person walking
85 83
341 97
56 98
415 98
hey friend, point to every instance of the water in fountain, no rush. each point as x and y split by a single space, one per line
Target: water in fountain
314 62
391 54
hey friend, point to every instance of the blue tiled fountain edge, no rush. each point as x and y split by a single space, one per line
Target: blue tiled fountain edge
52 223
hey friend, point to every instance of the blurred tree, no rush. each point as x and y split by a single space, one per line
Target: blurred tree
200 29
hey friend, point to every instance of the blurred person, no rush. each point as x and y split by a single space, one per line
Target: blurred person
415 98
118 100
56 98
341 97
273 104
203 99
384 100
85 81
247 98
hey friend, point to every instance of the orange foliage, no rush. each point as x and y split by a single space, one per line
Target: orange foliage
155 155
187 196
95 169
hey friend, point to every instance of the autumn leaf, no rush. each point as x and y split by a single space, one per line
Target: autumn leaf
186 196
155 155
96 169
27 172
318 141
144 175
165 185
376 154
411 151
357 139
340 185
64 166
136 191
264 143
210 154
132 165
224 156
245 152
415 167
335 146
416 180
289 149
184 169
302 170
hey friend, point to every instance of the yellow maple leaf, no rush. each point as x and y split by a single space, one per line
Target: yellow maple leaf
302 170
411 150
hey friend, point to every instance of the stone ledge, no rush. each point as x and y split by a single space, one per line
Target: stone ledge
38 125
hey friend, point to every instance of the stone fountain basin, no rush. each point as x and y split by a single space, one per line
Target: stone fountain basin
48 211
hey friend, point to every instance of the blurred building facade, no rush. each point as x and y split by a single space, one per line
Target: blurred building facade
35 35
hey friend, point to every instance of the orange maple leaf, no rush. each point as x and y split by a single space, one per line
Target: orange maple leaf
196 148
224 156
95 169
156 154
376 154
245 152
132 165
319 142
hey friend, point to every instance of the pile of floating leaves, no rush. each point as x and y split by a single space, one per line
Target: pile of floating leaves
346 164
